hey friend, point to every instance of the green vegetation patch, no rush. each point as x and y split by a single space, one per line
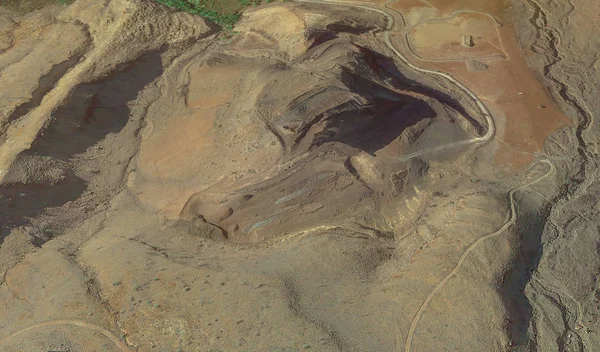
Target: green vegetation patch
225 13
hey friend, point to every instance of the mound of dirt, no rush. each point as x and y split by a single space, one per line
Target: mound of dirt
292 184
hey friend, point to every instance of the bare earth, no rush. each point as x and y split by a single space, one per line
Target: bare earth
368 176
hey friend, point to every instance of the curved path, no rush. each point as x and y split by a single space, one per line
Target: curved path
485 138
391 22
120 344
511 221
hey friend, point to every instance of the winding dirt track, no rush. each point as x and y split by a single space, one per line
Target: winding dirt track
391 23
511 221
120 344
483 139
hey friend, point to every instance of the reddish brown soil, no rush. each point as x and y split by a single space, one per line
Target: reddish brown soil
531 115
444 40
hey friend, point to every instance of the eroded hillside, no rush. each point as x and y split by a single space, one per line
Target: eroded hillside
328 177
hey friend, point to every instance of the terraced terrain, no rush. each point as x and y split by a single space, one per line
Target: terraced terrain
327 175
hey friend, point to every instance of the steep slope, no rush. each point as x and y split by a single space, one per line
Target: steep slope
562 306
164 186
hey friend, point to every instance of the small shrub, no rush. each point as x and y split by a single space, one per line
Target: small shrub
222 12
202 8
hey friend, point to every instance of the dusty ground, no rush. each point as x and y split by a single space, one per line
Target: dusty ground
294 184
493 64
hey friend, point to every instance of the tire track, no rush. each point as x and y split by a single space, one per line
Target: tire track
511 221
390 24
120 344
483 139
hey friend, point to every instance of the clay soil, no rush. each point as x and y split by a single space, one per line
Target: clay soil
298 183
525 112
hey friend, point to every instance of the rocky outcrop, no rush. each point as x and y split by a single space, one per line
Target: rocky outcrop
562 292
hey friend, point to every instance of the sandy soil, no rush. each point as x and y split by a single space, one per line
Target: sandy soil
525 113
464 36
168 187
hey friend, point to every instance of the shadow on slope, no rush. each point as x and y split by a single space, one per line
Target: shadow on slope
91 113
529 227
